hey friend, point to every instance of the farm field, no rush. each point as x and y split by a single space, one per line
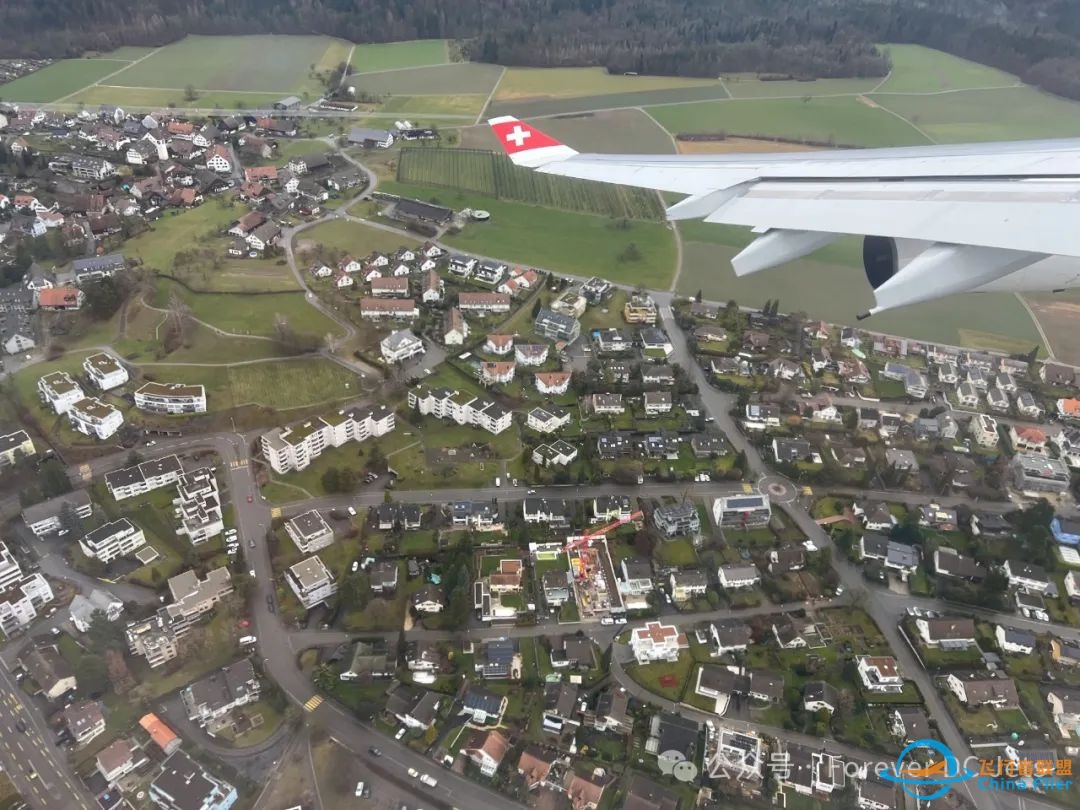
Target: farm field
247 314
976 115
996 321
173 233
533 83
231 63
355 239
916 69
526 108
336 53
469 104
558 240
743 145
743 86
1058 314
153 97
459 78
126 53
493 174
397 55
627 131
843 121
59 79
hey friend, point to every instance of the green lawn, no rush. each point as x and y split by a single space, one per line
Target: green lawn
247 314
292 383
358 240
976 115
269 722
916 69
181 231
231 63
840 121
59 79
586 245
677 552
396 55
650 676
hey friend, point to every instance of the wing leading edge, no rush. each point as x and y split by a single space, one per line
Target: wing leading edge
965 217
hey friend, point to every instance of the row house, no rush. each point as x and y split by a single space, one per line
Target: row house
383 308
484 303
462 409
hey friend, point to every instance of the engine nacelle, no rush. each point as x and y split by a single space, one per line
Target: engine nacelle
880 259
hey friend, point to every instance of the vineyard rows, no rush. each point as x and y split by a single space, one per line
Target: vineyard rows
493 174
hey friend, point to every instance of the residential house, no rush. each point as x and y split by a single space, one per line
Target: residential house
487 750
117 760
455 327
1027 576
82 608
1028 439
309 532
967 395
948 633
400 345
547 420
820 696
556 454
49 670
110 541
688 585
948 562
894 556
677 519
84 721
736 575
484 303
758 416
210 700
656 641
382 308
552 383
184 785
790 451
786 559
984 430
311 581
497 373
1013 641
484 707
561 707
1027 405
555 325
657 402
982 689
879 674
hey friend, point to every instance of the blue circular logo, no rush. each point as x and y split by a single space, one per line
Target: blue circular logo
942 775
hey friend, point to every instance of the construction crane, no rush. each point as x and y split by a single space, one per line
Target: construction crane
574 543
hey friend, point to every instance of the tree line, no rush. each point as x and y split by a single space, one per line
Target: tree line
1036 39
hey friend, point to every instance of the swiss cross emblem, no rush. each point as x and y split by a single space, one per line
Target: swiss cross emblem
517 136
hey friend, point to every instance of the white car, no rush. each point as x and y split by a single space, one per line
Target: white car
412 771
355 566
352 512
398 736
607 620
251 573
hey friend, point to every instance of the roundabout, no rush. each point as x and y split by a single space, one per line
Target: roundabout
777 489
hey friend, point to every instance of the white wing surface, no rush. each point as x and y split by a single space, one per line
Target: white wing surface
936 220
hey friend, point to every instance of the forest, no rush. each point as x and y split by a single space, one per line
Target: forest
1039 40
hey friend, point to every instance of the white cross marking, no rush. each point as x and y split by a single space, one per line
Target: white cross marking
518 136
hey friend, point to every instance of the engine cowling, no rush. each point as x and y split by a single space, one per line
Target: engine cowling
880 259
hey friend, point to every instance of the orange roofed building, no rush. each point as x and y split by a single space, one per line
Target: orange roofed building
163 736
657 642
1069 408
60 298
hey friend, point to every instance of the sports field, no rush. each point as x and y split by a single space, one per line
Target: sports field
59 79
397 55
265 63
840 121
562 241
492 174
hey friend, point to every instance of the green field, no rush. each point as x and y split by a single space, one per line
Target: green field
558 240
247 314
535 108
464 105
356 239
59 79
532 83
176 232
397 55
267 63
126 53
742 86
460 78
916 69
162 97
1012 113
810 285
840 121
617 131
335 54
493 174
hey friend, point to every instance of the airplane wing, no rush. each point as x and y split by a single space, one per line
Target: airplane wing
935 220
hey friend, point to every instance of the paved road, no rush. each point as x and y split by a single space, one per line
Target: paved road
38 768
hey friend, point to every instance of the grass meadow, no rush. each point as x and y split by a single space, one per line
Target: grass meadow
398 55
59 79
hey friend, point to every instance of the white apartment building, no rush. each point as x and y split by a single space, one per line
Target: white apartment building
547 421
309 532
194 597
153 638
142 478
44 518
657 642
984 430
112 540
294 448
21 597
14 446
59 391
92 417
462 409
311 581
105 370
734 575
879 674
400 346
198 505
171 398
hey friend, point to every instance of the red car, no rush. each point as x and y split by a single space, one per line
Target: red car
251 499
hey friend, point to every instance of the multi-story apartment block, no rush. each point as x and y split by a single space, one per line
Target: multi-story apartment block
294 448
145 477
172 398
640 309
209 700
198 505
92 417
184 785
105 370
21 596
153 638
311 581
44 518
59 391
112 541
193 597
984 429
463 409
556 326
14 446
309 532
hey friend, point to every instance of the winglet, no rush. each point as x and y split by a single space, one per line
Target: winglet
526 145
